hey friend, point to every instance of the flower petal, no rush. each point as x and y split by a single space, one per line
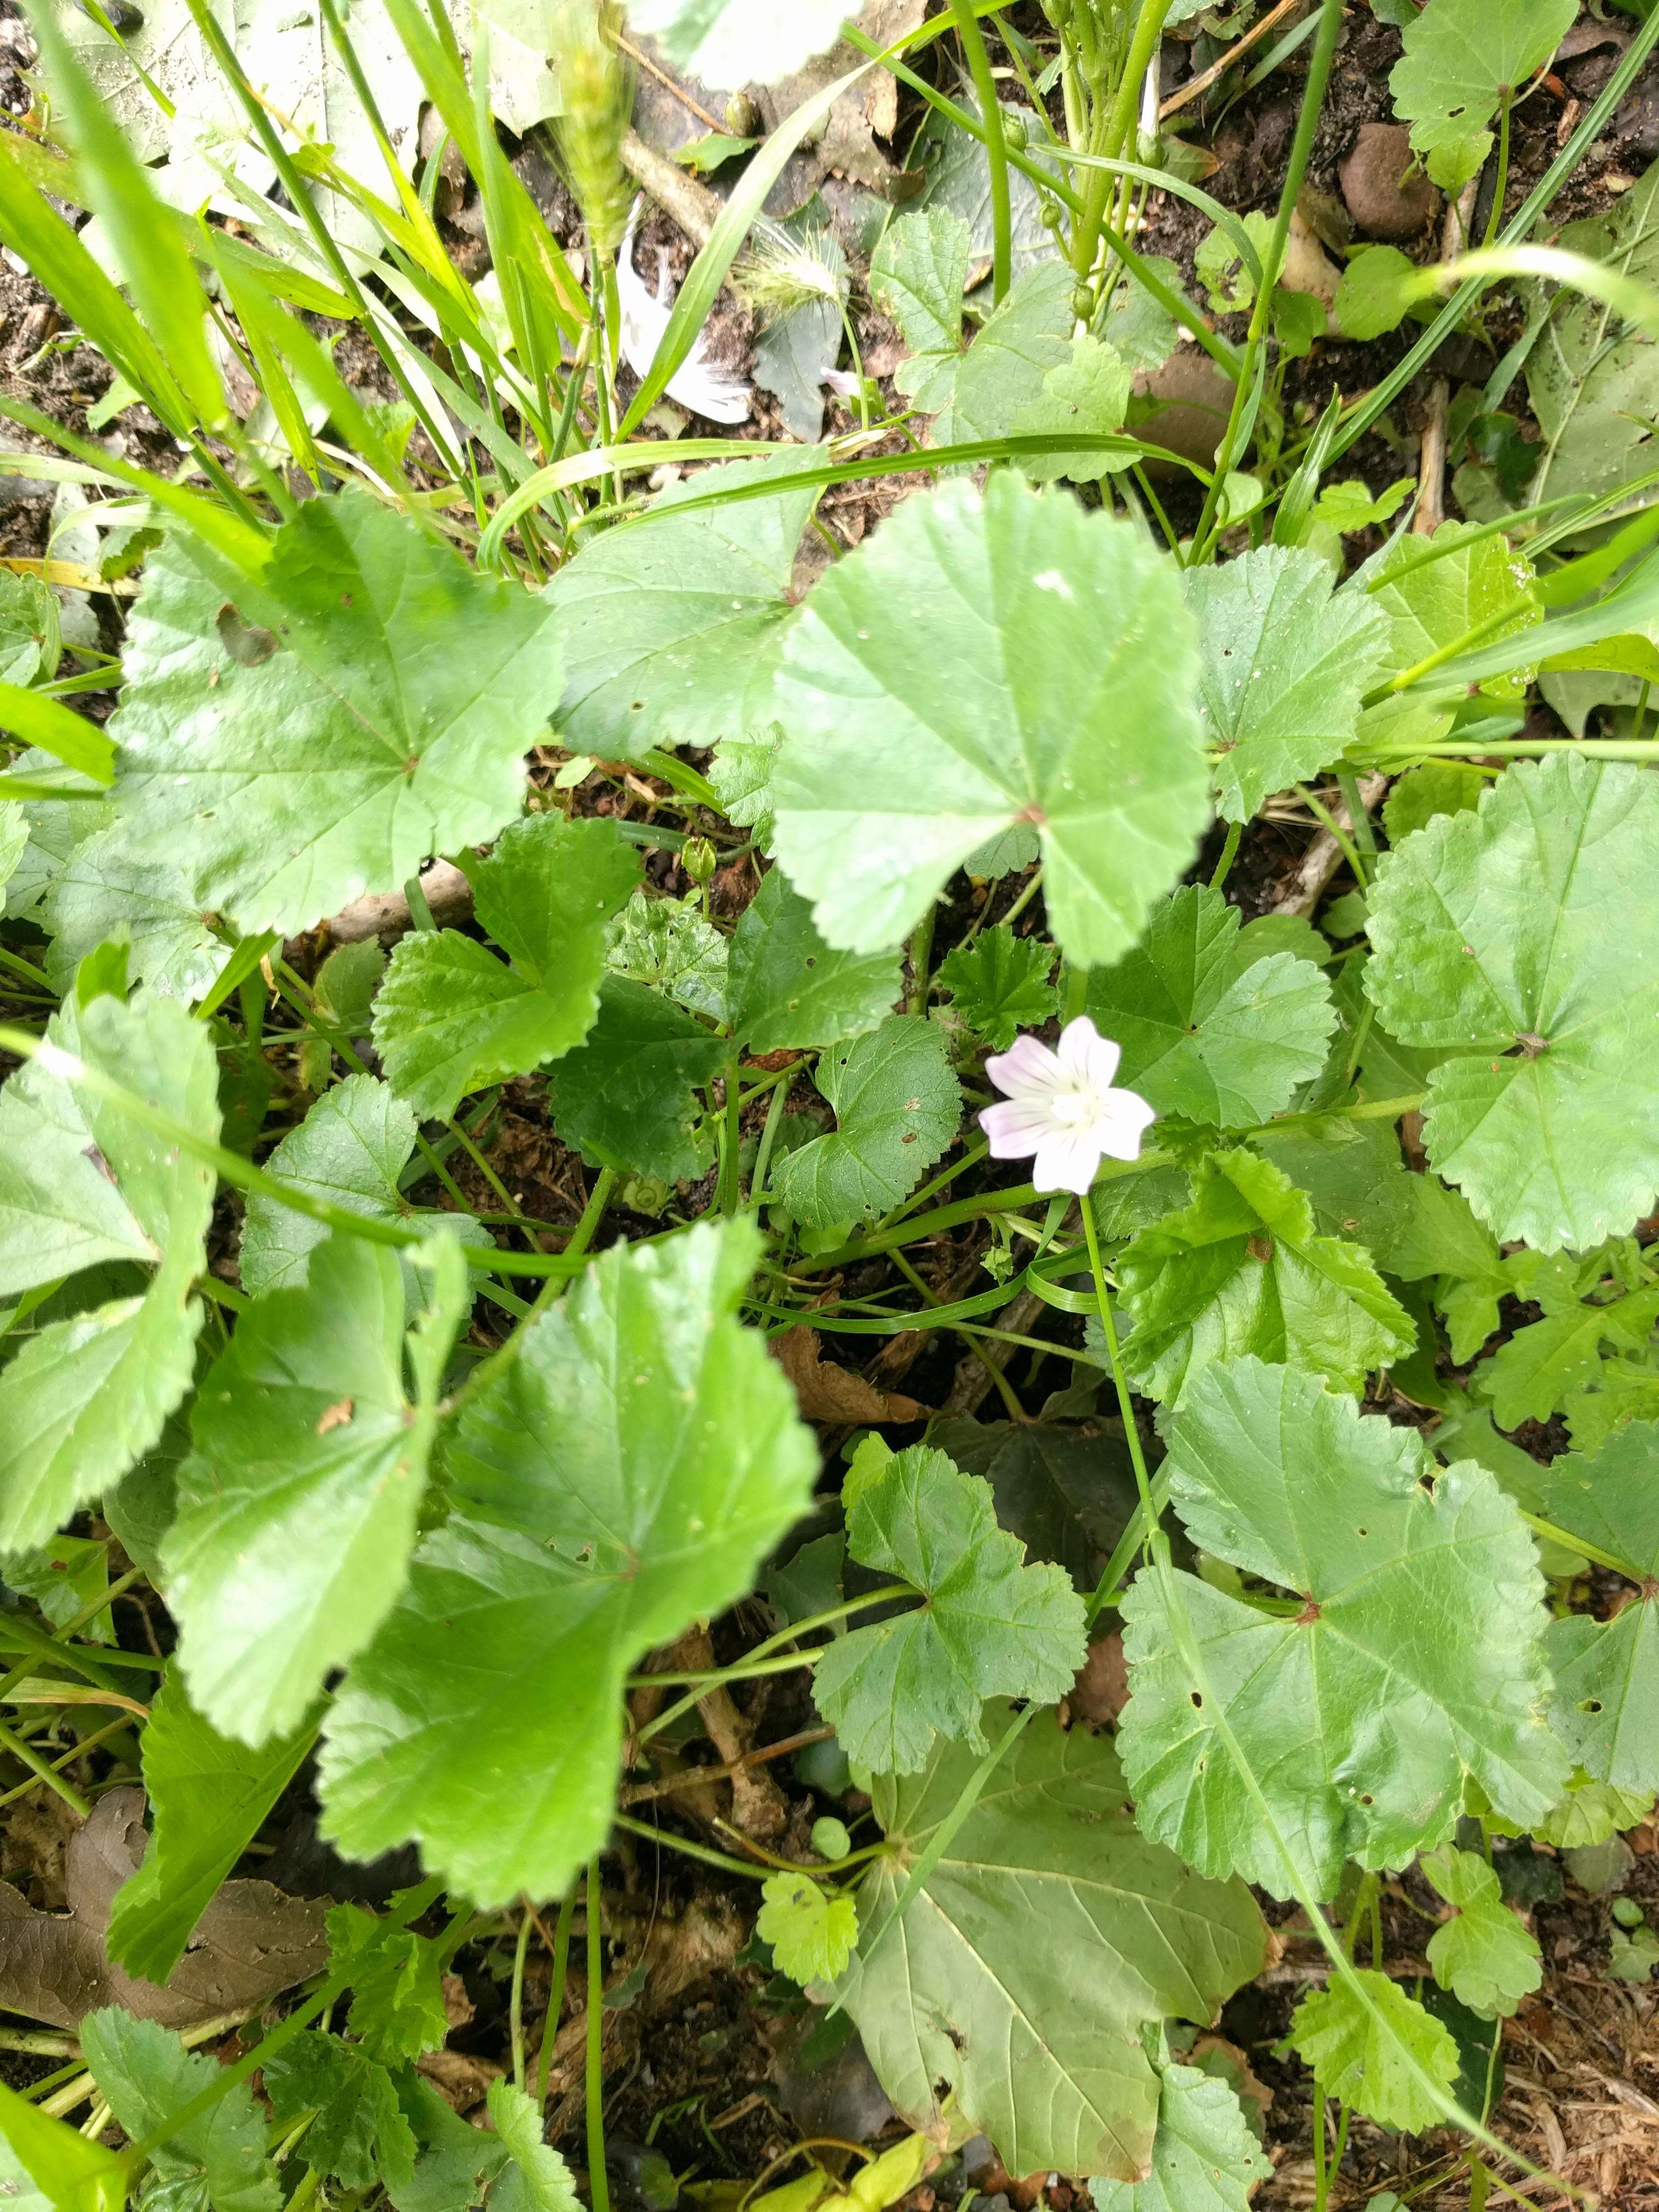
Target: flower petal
1015 1128
1066 1161
1123 1119
1027 1070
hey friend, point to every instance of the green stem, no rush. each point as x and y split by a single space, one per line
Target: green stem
1328 822
707 1856
1495 218
884 1596
26 1755
921 949
985 85
515 2012
731 1136
768 1138
1085 234
1224 866
555 1994
1313 99
599 2187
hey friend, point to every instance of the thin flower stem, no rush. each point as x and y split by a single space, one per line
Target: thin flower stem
555 1994
886 1595
599 2188
515 2014
26 1755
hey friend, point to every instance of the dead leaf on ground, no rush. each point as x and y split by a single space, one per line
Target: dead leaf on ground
32 1843
827 1392
250 1942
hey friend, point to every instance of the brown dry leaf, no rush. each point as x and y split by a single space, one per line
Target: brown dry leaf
1102 1688
250 1942
33 1841
825 1392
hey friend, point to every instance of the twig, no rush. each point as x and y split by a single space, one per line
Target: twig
1324 856
386 914
638 1792
1205 78
662 78
693 206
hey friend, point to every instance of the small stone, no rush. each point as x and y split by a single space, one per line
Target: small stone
1386 191
1191 399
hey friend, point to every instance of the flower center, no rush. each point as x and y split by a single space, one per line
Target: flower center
1072 1110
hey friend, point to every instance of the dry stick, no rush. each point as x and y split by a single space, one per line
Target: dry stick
693 206
1191 89
972 1381
662 78
1324 856
1431 465
386 914
638 1792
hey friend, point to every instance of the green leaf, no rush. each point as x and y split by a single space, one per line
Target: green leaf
980 660
897 1106
1025 336
992 1627
376 709
451 1018
31 636
918 275
666 942
298 1513
81 1182
1242 1269
455 2160
56 826
1480 584
1286 663
626 1098
145 2075
1087 389
624 1475
109 890
345 985
1607 1673
1214 1024
44 2161
1460 60
1358 2060
1066 1493
1484 1955
740 770
208 1797
1416 1658
670 627
812 1931
538 2180
1549 1363
789 988
1377 294
1000 984
1204 2157
1522 939
738 41
1436 788
1040 2039
396 1984
360 2135
351 1149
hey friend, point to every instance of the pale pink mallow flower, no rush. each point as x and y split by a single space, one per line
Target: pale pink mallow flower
1062 1106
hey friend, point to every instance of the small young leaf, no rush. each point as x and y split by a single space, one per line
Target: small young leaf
1045 1935
626 1097
666 942
207 1796
789 988
896 1109
451 1018
81 1182
297 1516
1359 2060
537 2180
811 1930
1000 984
1241 1269
1204 2157
1087 389
993 1626
389 721
1215 1024
396 1984
360 2135
984 660
626 1473
1286 663
1522 940
1484 1956
1547 1364
1422 1625
217 2160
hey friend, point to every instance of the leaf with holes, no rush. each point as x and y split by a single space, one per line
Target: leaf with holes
1461 60
381 713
